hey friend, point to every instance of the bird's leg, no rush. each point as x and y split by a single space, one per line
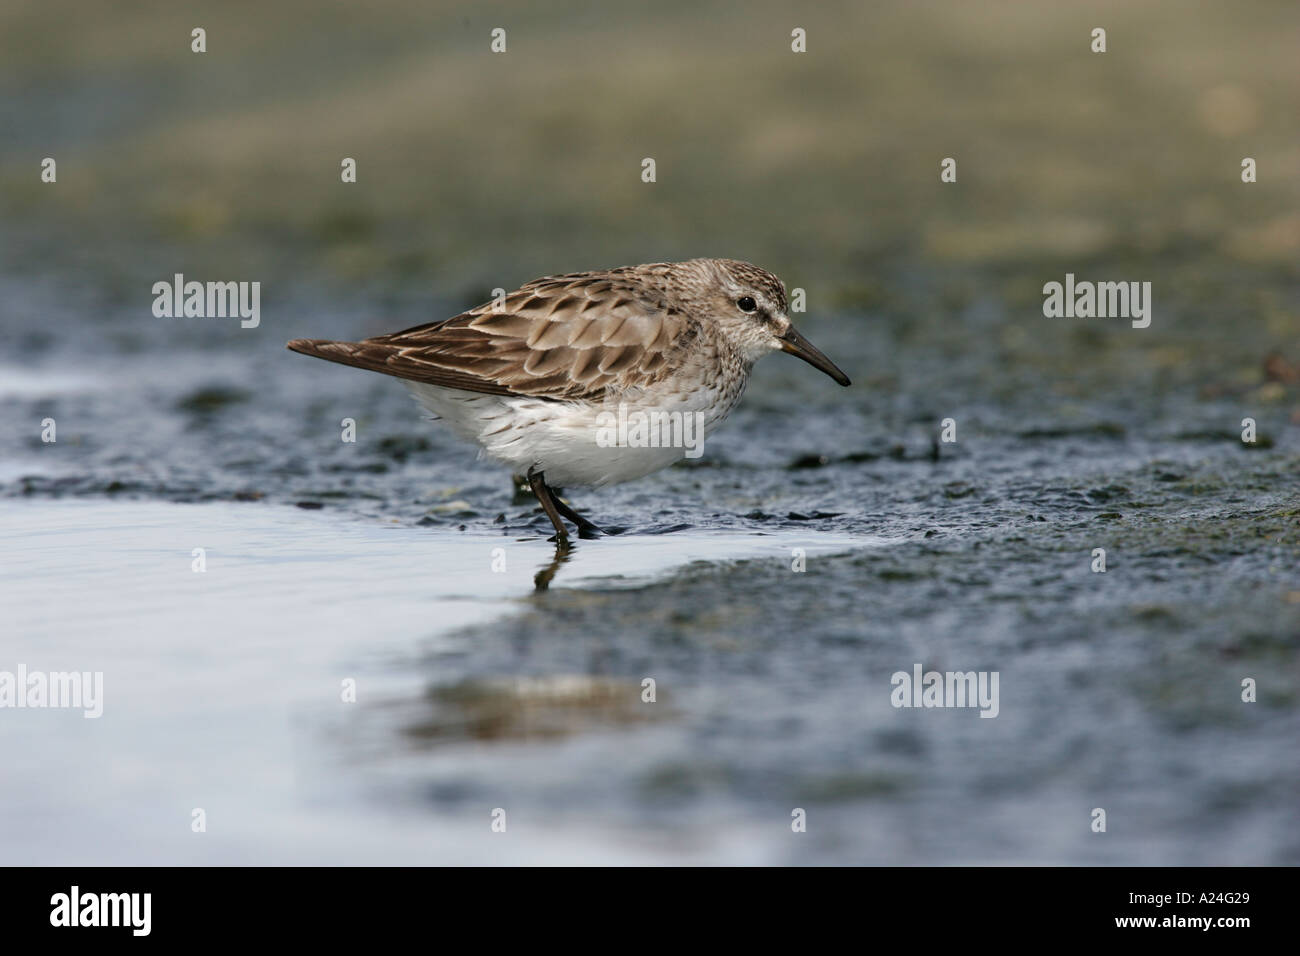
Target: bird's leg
537 481
586 529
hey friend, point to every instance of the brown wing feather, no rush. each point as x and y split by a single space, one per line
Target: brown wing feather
561 337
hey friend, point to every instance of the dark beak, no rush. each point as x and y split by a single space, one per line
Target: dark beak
796 344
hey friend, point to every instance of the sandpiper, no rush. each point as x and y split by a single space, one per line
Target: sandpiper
538 377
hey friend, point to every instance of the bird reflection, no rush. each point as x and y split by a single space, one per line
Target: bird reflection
563 552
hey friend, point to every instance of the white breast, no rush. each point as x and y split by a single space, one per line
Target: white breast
570 441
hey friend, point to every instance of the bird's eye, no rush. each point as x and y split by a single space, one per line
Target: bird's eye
746 303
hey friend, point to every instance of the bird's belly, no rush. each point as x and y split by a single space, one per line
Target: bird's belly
580 443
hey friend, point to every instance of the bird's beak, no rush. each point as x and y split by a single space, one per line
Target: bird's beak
796 344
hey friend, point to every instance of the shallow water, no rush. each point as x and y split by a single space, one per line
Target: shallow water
223 689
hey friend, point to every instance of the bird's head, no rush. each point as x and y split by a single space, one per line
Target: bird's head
749 307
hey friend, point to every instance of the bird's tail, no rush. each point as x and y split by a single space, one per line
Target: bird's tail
326 349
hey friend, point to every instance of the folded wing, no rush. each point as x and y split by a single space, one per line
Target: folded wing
561 337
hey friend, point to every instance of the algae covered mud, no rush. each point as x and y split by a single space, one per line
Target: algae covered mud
360 670
321 650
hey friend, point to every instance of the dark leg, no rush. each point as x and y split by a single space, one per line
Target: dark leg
586 530
537 481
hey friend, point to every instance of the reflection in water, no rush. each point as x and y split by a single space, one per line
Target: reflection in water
529 708
563 551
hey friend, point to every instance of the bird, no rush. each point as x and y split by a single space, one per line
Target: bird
545 379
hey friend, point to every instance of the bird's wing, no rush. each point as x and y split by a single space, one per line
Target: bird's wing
561 337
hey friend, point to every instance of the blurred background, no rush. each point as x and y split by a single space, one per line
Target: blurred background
477 170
